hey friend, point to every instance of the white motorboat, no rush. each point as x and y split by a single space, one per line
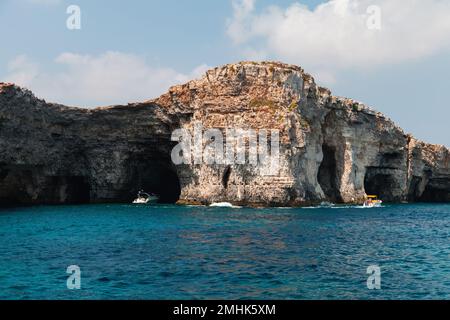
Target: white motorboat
145 198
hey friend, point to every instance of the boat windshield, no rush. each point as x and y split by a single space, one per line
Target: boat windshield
142 194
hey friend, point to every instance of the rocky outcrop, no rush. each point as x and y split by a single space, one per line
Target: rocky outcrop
428 172
331 149
56 154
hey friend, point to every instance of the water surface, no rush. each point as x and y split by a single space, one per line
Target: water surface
170 252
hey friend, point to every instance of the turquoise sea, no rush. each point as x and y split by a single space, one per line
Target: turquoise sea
170 252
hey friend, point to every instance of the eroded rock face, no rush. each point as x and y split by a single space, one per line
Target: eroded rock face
331 149
55 154
428 172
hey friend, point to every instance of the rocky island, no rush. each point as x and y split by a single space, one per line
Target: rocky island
331 149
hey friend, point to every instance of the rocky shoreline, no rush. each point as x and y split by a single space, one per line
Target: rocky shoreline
331 149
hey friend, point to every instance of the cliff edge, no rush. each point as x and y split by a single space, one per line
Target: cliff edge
331 149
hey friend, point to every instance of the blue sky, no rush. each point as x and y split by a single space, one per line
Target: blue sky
132 51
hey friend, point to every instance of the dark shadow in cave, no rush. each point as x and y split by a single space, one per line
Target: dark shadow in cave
380 184
18 185
327 175
414 192
158 177
226 177
433 194
78 189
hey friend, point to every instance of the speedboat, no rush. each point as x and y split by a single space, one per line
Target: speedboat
145 198
372 202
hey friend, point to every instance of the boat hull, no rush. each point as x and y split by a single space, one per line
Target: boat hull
148 200
375 204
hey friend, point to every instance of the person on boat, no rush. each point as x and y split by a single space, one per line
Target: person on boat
372 201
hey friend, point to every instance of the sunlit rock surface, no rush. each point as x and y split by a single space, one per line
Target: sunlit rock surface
331 149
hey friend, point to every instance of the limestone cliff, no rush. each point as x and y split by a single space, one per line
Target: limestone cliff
331 149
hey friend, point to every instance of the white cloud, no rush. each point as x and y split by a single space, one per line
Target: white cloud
85 80
334 36
23 70
242 9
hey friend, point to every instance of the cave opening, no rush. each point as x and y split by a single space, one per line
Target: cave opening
414 189
78 189
381 184
26 186
327 175
434 194
226 177
157 177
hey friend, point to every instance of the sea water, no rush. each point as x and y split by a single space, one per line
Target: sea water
170 252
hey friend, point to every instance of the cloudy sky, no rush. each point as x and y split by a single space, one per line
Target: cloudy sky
393 55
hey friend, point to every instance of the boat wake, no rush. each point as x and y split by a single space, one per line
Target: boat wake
335 206
322 206
224 205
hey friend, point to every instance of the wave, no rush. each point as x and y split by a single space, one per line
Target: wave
223 205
